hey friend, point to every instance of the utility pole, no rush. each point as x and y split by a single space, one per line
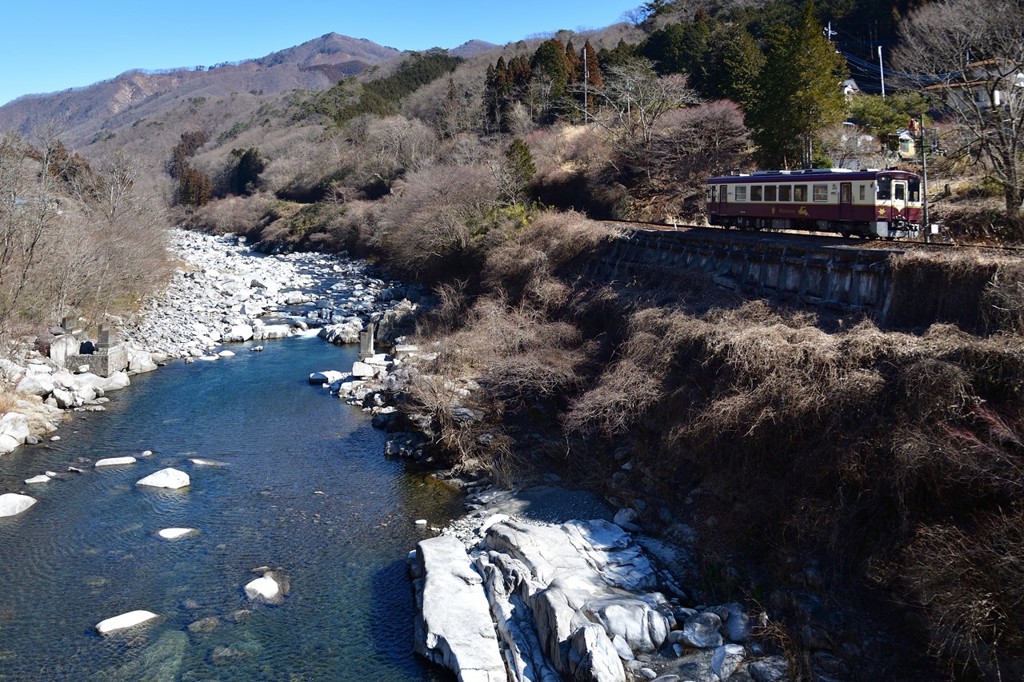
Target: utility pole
926 225
881 70
586 77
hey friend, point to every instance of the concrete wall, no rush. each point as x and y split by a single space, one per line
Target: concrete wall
102 363
842 278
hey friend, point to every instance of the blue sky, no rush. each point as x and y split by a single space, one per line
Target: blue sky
50 45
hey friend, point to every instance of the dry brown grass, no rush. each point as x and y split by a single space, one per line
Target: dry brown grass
8 402
875 449
526 266
946 286
235 215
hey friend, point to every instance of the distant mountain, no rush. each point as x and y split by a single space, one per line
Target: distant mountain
472 48
81 112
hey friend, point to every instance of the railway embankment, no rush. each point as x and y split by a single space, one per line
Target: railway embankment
895 285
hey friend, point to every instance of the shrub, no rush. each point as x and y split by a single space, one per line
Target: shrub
429 228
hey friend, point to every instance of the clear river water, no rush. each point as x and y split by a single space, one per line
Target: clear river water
303 486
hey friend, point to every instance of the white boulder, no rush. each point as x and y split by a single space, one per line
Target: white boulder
12 504
41 478
125 620
238 333
361 370
176 533
454 627
13 431
265 589
34 383
63 346
166 478
140 361
326 377
116 382
272 331
114 461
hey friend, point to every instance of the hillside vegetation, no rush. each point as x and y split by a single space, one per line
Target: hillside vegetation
860 485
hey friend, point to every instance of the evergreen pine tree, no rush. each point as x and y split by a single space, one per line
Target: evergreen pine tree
573 63
520 168
550 74
799 93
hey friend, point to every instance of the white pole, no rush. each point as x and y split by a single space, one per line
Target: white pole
586 77
881 71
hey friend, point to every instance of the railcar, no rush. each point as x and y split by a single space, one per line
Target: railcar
872 203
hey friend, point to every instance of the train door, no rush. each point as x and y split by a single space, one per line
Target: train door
899 200
846 201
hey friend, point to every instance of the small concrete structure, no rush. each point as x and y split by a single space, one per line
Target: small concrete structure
105 357
366 342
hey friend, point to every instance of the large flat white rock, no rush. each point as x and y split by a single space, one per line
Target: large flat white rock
176 533
114 461
41 478
13 503
454 627
125 620
166 478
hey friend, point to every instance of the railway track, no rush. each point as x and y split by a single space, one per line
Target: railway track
824 239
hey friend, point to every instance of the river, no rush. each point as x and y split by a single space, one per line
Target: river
303 487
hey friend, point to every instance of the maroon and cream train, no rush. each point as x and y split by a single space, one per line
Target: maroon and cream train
872 203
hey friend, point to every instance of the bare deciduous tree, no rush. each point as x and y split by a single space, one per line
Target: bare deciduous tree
851 147
428 226
633 100
28 209
690 144
972 52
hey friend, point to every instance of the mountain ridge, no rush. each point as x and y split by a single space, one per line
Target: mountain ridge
81 112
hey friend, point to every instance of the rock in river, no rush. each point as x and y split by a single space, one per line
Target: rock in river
454 626
12 504
125 620
114 461
176 533
166 478
270 589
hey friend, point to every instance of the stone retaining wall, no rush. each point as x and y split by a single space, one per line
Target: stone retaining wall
832 277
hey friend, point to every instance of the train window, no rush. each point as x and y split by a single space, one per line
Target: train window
755 193
769 192
901 191
741 193
863 191
884 188
799 192
820 192
914 188
723 192
785 193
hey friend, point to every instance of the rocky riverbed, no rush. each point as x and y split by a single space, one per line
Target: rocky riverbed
504 595
549 584
221 293
225 293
